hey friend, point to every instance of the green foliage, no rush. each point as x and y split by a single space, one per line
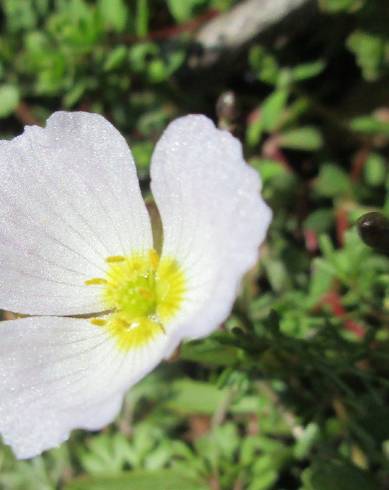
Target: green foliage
375 170
369 125
183 11
337 474
369 40
304 138
114 14
369 50
291 393
9 99
332 181
336 6
139 480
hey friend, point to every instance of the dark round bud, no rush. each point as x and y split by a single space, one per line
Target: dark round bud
227 107
373 228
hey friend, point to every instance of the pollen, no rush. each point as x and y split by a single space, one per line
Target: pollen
143 292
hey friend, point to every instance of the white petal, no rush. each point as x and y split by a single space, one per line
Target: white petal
59 374
213 216
69 197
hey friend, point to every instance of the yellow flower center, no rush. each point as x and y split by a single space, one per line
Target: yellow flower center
144 292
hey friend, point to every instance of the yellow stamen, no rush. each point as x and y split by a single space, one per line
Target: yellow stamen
99 322
154 258
143 292
95 281
114 259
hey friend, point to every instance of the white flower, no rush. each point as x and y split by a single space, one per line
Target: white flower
76 240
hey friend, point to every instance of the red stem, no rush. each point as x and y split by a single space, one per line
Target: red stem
173 31
341 225
333 300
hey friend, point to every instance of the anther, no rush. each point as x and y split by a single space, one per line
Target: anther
99 322
115 258
95 281
154 258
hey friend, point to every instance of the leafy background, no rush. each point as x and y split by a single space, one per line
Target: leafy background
292 391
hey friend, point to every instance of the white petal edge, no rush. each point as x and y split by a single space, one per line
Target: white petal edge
69 197
213 216
59 374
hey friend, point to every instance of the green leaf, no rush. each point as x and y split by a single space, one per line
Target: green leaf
265 480
277 274
270 114
19 15
268 169
189 397
369 50
332 181
115 58
104 454
306 441
161 69
273 108
319 220
184 10
306 138
307 70
322 278
74 94
114 14
139 480
369 125
254 132
375 169
264 64
142 18
210 353
337 475
9 99
141 54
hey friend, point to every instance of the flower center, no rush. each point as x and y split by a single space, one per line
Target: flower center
144 292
